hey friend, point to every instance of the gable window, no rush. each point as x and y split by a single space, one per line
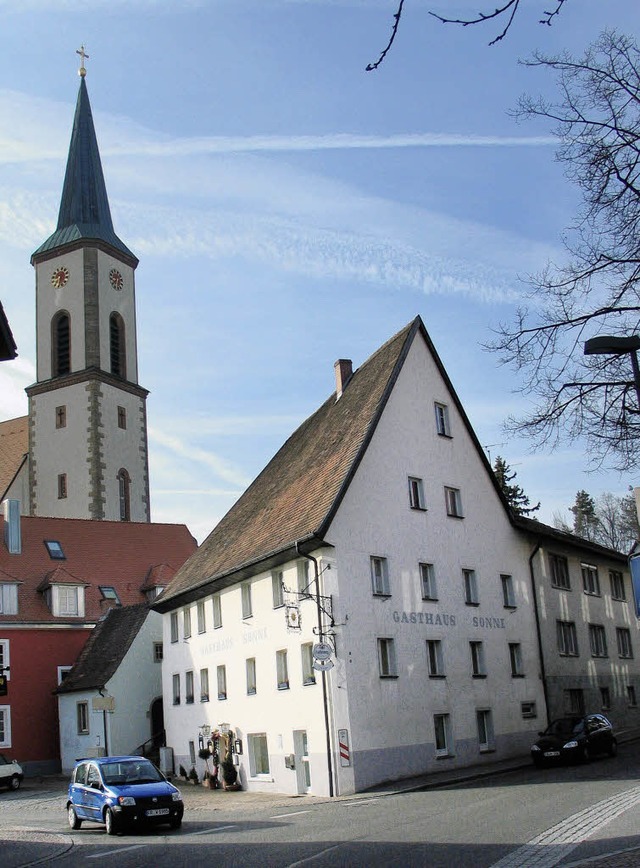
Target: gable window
186 622
303 581
221 674
442 420
515 658
158 652
308 672
122 417
617 585
61 417
434 658
217 612
82 717
416 493
124 494
484 721
508 592
55 550
117 354
477 660
8 598
202 617
453 502
176 689
109 593
188 689
597 640
5 726
470 588
62 486
204 685
258 754
387 658
247 609
61 344
442 732
63 671
590 581
282 670
567 638
174 626
380 576
428 582
623 638
251 676
277 588
559 569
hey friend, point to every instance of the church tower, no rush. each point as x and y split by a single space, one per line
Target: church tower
88 455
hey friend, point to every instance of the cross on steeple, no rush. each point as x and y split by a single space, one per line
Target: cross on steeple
82 71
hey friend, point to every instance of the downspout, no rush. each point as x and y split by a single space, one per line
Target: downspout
543 674
104 724
325 703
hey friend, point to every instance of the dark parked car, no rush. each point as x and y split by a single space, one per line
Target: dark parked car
10 773
574 739
122 792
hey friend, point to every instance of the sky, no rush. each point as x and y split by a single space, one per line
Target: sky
289 208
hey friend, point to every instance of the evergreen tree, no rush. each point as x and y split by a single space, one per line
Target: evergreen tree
518 500
585 521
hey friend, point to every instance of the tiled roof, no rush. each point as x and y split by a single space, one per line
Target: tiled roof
7 343
105 648
158 576
14 445
108 553
296 495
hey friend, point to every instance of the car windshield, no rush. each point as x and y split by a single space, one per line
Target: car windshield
564 726
130 772
3 760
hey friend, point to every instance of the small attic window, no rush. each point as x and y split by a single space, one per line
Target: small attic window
109 593
55 550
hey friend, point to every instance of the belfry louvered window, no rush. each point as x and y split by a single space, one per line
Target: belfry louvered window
61 344
117 345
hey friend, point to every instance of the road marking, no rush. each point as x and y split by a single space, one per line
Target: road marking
208 831
551 847
117 850
357 802
292 814
313 857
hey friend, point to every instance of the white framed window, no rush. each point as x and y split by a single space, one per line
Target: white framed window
442 419
5 726
617 585
63 671
478 667
508 591
428 581
515 658
217 611
174 626
528 709
68 601
258 754
247 607
308 672
416 493
559 569
186 622
623 639
221 674
176 689
204 685
5 658
282 669
387 658
380 576
303 580
598 640
188 687
435 660
201 617
453 502
8 598
251 676
82 717
590 580
484 721
567 638
277 588
471 597
442 734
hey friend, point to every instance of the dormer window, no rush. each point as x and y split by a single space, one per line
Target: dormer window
55 550
66 601
8 598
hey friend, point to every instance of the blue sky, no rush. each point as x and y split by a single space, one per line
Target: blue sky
289 208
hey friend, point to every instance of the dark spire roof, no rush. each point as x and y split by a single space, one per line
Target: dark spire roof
84 208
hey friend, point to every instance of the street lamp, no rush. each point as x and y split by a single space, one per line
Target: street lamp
609 345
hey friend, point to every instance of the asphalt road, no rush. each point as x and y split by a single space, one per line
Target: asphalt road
522 819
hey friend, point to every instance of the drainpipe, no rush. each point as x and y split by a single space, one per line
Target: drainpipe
104 724
325 703
543 674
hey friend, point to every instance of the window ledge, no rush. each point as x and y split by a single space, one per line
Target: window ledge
418 508
430 599
467 603
452 515
479 675
438 677
380 594
389 676
517 675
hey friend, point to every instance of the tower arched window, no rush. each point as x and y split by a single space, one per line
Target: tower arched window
60 344
117 345
124 494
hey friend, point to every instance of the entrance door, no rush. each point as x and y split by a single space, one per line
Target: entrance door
157 723
301 751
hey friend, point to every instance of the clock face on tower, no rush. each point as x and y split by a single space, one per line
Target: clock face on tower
60 277
115 279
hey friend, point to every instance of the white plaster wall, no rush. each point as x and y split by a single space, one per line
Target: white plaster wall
19 489
123 448
74 746
120 301
49 300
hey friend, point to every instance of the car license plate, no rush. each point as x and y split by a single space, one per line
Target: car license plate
552 753
157 812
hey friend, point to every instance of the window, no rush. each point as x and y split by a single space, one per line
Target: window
559 569
434 658
631 695
55 550
277 588
174 626
590 581
515 657
623 638
61 344
567 638
186 622
605 698
124 494
470 588
617 585
5 662
221 673
282 670
202 617
308 672
63 671
303 581
380 576
82 717
428 582
5 726
68 600
188 688
484 721
258 754
442 420
8 598
109 593
453 502
117 352
251 676
416 493
508 592
387 658
158 652
477 660
217 611
62 486
247 609
597 640
61 417
528 709
442 731
192 752
176 689
204 685
574 701
122 417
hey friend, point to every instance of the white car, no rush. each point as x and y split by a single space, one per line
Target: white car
10 773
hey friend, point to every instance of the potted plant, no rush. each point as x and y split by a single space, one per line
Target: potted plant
229 773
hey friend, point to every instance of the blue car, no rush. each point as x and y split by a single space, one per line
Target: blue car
123 792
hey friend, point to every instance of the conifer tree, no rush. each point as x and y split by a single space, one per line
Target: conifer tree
518 500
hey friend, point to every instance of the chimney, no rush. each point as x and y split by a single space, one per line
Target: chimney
12 538
344 371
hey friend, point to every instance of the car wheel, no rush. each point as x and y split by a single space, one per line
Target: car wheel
110 822
14 783
74 821
613 748
176 822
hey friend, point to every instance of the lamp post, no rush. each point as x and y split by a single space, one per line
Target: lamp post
609 345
